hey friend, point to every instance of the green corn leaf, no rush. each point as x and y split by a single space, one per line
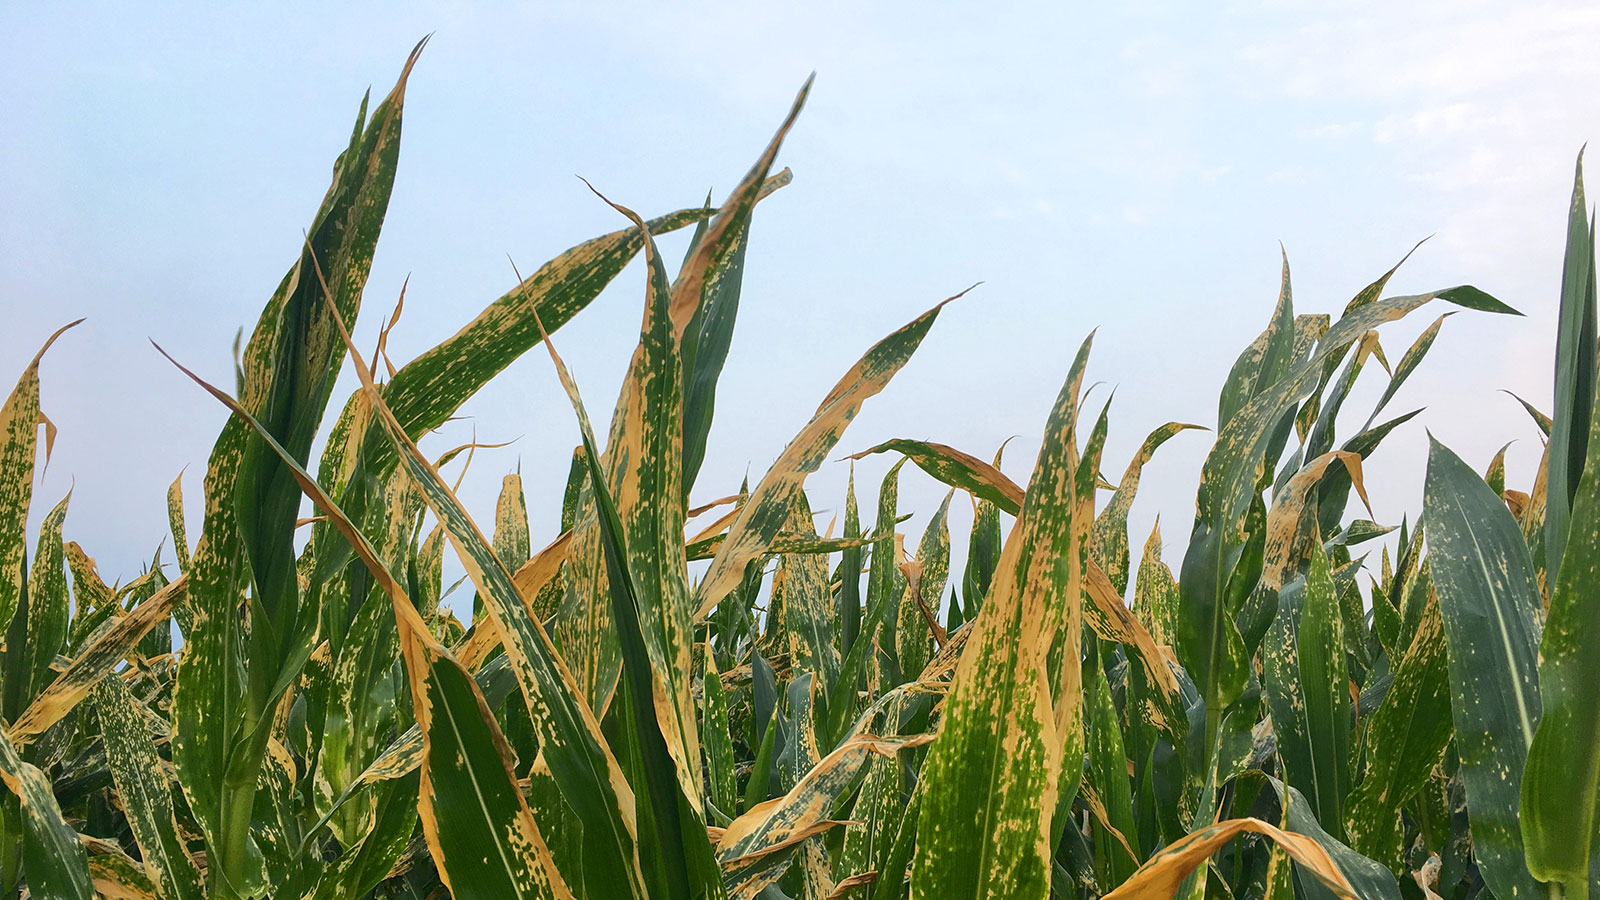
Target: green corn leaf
117 875
1266 359
800 593
19 433
878 806
716 738
180 535
843 700
1408 364
359 715
92 599
480 828
757 848
762 517
1561 781
1539 419
1487 598
496 680
1368 880
477 823
512 542
677 854
646 458
94 662
920 601
38 630
983 554
287 371
892 873
52 857
705 298
800 749
996 767
1327 694
1208 641
1106 778
427 391
964 471
577 753
1321 437
953 467
1575 375
1109 540
883 585
362 867
1404 739
144 789
850 561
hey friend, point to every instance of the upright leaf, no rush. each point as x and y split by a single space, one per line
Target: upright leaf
1575 374
145 791
1487 596
19 433
1561 781
994 771
761 518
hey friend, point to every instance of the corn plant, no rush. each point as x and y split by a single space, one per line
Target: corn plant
1314 705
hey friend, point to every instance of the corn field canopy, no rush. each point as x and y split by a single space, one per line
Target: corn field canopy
1309 704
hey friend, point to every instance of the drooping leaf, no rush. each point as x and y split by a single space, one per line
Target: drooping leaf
1162 875
94 662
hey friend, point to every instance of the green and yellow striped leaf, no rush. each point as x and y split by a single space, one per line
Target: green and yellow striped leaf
995 769
53 860
19 447
144 786
763 515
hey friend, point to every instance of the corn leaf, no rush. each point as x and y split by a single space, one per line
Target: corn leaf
995 769
1487 597
55 861
1404 739
19 433
470 803
38 630
1109 540
1576 368
1561 781
144 787
763 515
93 663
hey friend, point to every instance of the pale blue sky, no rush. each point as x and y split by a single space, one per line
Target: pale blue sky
1130 167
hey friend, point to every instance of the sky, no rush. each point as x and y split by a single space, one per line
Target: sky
1131 169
